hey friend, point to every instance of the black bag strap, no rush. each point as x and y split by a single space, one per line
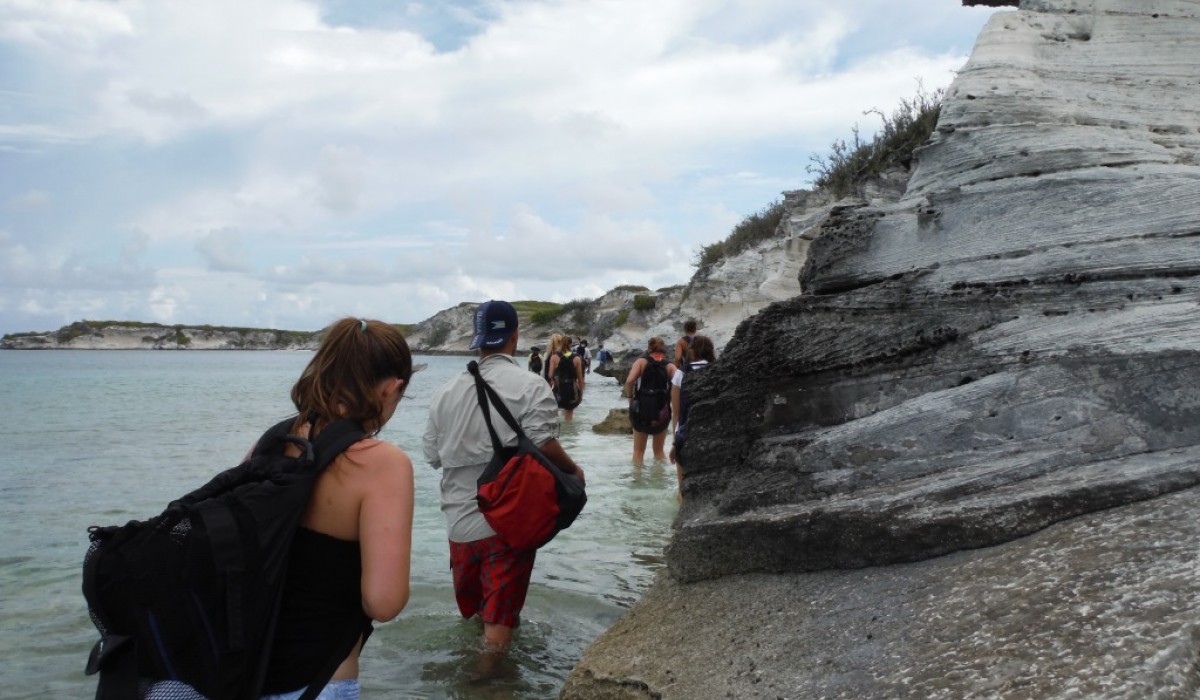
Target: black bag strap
335 439
115 658
482 388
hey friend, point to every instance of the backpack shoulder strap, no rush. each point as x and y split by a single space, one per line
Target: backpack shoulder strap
335 439
486 395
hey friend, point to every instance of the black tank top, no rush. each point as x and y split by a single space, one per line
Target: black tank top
321 596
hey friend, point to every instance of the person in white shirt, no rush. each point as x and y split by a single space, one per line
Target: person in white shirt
490 578
700 354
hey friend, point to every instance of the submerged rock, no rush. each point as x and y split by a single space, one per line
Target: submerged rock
616 423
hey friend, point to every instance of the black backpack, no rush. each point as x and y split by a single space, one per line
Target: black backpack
192 596
566 368
565 375
652 399
687 343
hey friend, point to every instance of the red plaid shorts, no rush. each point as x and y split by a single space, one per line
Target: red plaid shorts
491 578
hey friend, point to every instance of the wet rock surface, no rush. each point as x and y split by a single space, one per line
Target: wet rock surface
1101 606
615 423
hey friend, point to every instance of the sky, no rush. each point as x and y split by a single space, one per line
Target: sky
284 163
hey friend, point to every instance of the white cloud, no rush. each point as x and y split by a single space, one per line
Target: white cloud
560 149
62 25
223 251
31 200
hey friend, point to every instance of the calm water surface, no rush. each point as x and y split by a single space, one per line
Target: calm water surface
101 437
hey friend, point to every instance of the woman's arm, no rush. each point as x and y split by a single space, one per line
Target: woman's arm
676 393
579 373
385 531
553 373
634 373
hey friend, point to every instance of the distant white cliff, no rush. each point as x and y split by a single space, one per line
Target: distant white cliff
85 335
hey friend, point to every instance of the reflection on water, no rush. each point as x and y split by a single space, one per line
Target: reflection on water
654 476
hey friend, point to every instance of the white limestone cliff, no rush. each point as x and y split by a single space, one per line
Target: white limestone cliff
963 462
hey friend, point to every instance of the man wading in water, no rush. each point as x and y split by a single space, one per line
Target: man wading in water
490 578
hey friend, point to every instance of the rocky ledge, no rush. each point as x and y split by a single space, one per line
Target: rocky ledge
1102 606
1007 351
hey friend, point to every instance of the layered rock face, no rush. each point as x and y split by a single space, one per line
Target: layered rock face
1002 367
720 298
1012 343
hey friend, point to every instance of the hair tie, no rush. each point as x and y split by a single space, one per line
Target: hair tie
362 324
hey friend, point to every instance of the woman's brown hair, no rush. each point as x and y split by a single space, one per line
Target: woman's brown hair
701 348
656 344
341 381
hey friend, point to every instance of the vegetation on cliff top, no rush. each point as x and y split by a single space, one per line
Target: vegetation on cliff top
902 132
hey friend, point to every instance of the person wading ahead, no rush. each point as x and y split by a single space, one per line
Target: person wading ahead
649 386
681 345
566 377
491 579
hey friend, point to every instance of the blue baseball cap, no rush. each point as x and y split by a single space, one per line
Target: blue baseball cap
495 321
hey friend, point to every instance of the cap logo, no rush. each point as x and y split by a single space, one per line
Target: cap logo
498 325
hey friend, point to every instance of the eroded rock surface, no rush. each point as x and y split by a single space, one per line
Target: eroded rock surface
962 463
1014 342
1102 606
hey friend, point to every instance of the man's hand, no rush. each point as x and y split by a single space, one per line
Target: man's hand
553 449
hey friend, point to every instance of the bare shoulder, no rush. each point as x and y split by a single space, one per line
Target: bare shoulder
378 455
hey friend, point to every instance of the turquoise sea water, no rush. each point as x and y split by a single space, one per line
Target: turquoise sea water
102 437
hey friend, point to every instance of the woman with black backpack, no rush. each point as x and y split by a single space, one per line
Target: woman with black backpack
351 556
649 389
299 548
566 376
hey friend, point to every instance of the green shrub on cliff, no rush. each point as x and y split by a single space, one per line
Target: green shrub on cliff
533 308
438 335
575 316
902 133
759 226
68 333
547 314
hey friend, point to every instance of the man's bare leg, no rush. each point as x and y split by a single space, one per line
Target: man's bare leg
496 639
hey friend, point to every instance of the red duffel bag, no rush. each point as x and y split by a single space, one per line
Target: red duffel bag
523 495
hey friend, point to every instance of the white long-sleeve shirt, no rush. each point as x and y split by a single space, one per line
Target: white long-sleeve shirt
456 437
